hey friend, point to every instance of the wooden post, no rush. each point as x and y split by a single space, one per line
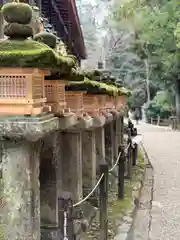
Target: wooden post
104 201
121 169
121 130
135 149
65 207
129 154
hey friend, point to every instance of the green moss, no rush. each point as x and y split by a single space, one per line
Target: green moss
93 74
140 162
17 12
46 38
104 77
29 53
124 91
120 207
17 31
76 75
95 87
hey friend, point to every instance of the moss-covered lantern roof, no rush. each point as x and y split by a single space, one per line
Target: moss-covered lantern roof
29 53
95 87
20 51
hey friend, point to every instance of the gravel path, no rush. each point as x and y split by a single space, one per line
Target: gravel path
163 148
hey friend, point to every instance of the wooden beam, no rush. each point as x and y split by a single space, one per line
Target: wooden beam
59 16
76 18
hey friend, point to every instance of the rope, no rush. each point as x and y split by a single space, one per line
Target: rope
98 182
92 191
126 149
116 163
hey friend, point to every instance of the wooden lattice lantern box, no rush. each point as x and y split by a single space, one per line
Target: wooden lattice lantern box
91 105
120 101
110 102
74 101
102 98
22 91
55 94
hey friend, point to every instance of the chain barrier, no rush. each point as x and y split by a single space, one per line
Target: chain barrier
98 182
117 161
92 191
126 149
65 237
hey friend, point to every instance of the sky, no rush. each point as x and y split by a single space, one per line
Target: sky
101 12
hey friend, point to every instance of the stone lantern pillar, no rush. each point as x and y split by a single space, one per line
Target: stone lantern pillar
20 141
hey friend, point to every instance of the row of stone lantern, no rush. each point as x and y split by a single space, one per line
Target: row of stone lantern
79 101
44 128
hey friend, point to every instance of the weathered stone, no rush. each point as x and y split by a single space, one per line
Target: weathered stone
50 182
27 128
89 213
109 116
89 159
21 202
100 145
98 121
67 121
82 124
71 164
109 143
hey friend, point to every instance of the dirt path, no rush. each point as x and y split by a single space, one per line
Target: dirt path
163 148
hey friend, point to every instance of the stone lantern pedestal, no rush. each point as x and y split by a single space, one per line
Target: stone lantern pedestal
20 141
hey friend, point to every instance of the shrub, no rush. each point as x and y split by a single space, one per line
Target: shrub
17 13
159 106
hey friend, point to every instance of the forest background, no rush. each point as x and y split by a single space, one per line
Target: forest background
139 42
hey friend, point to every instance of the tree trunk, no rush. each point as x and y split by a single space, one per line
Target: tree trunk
177 98
1 27
147 80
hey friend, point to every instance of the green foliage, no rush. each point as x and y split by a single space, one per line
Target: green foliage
17 13
137 99
177 35
159 106
30 53
161 47
18 31
139 93
154 38
46 38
